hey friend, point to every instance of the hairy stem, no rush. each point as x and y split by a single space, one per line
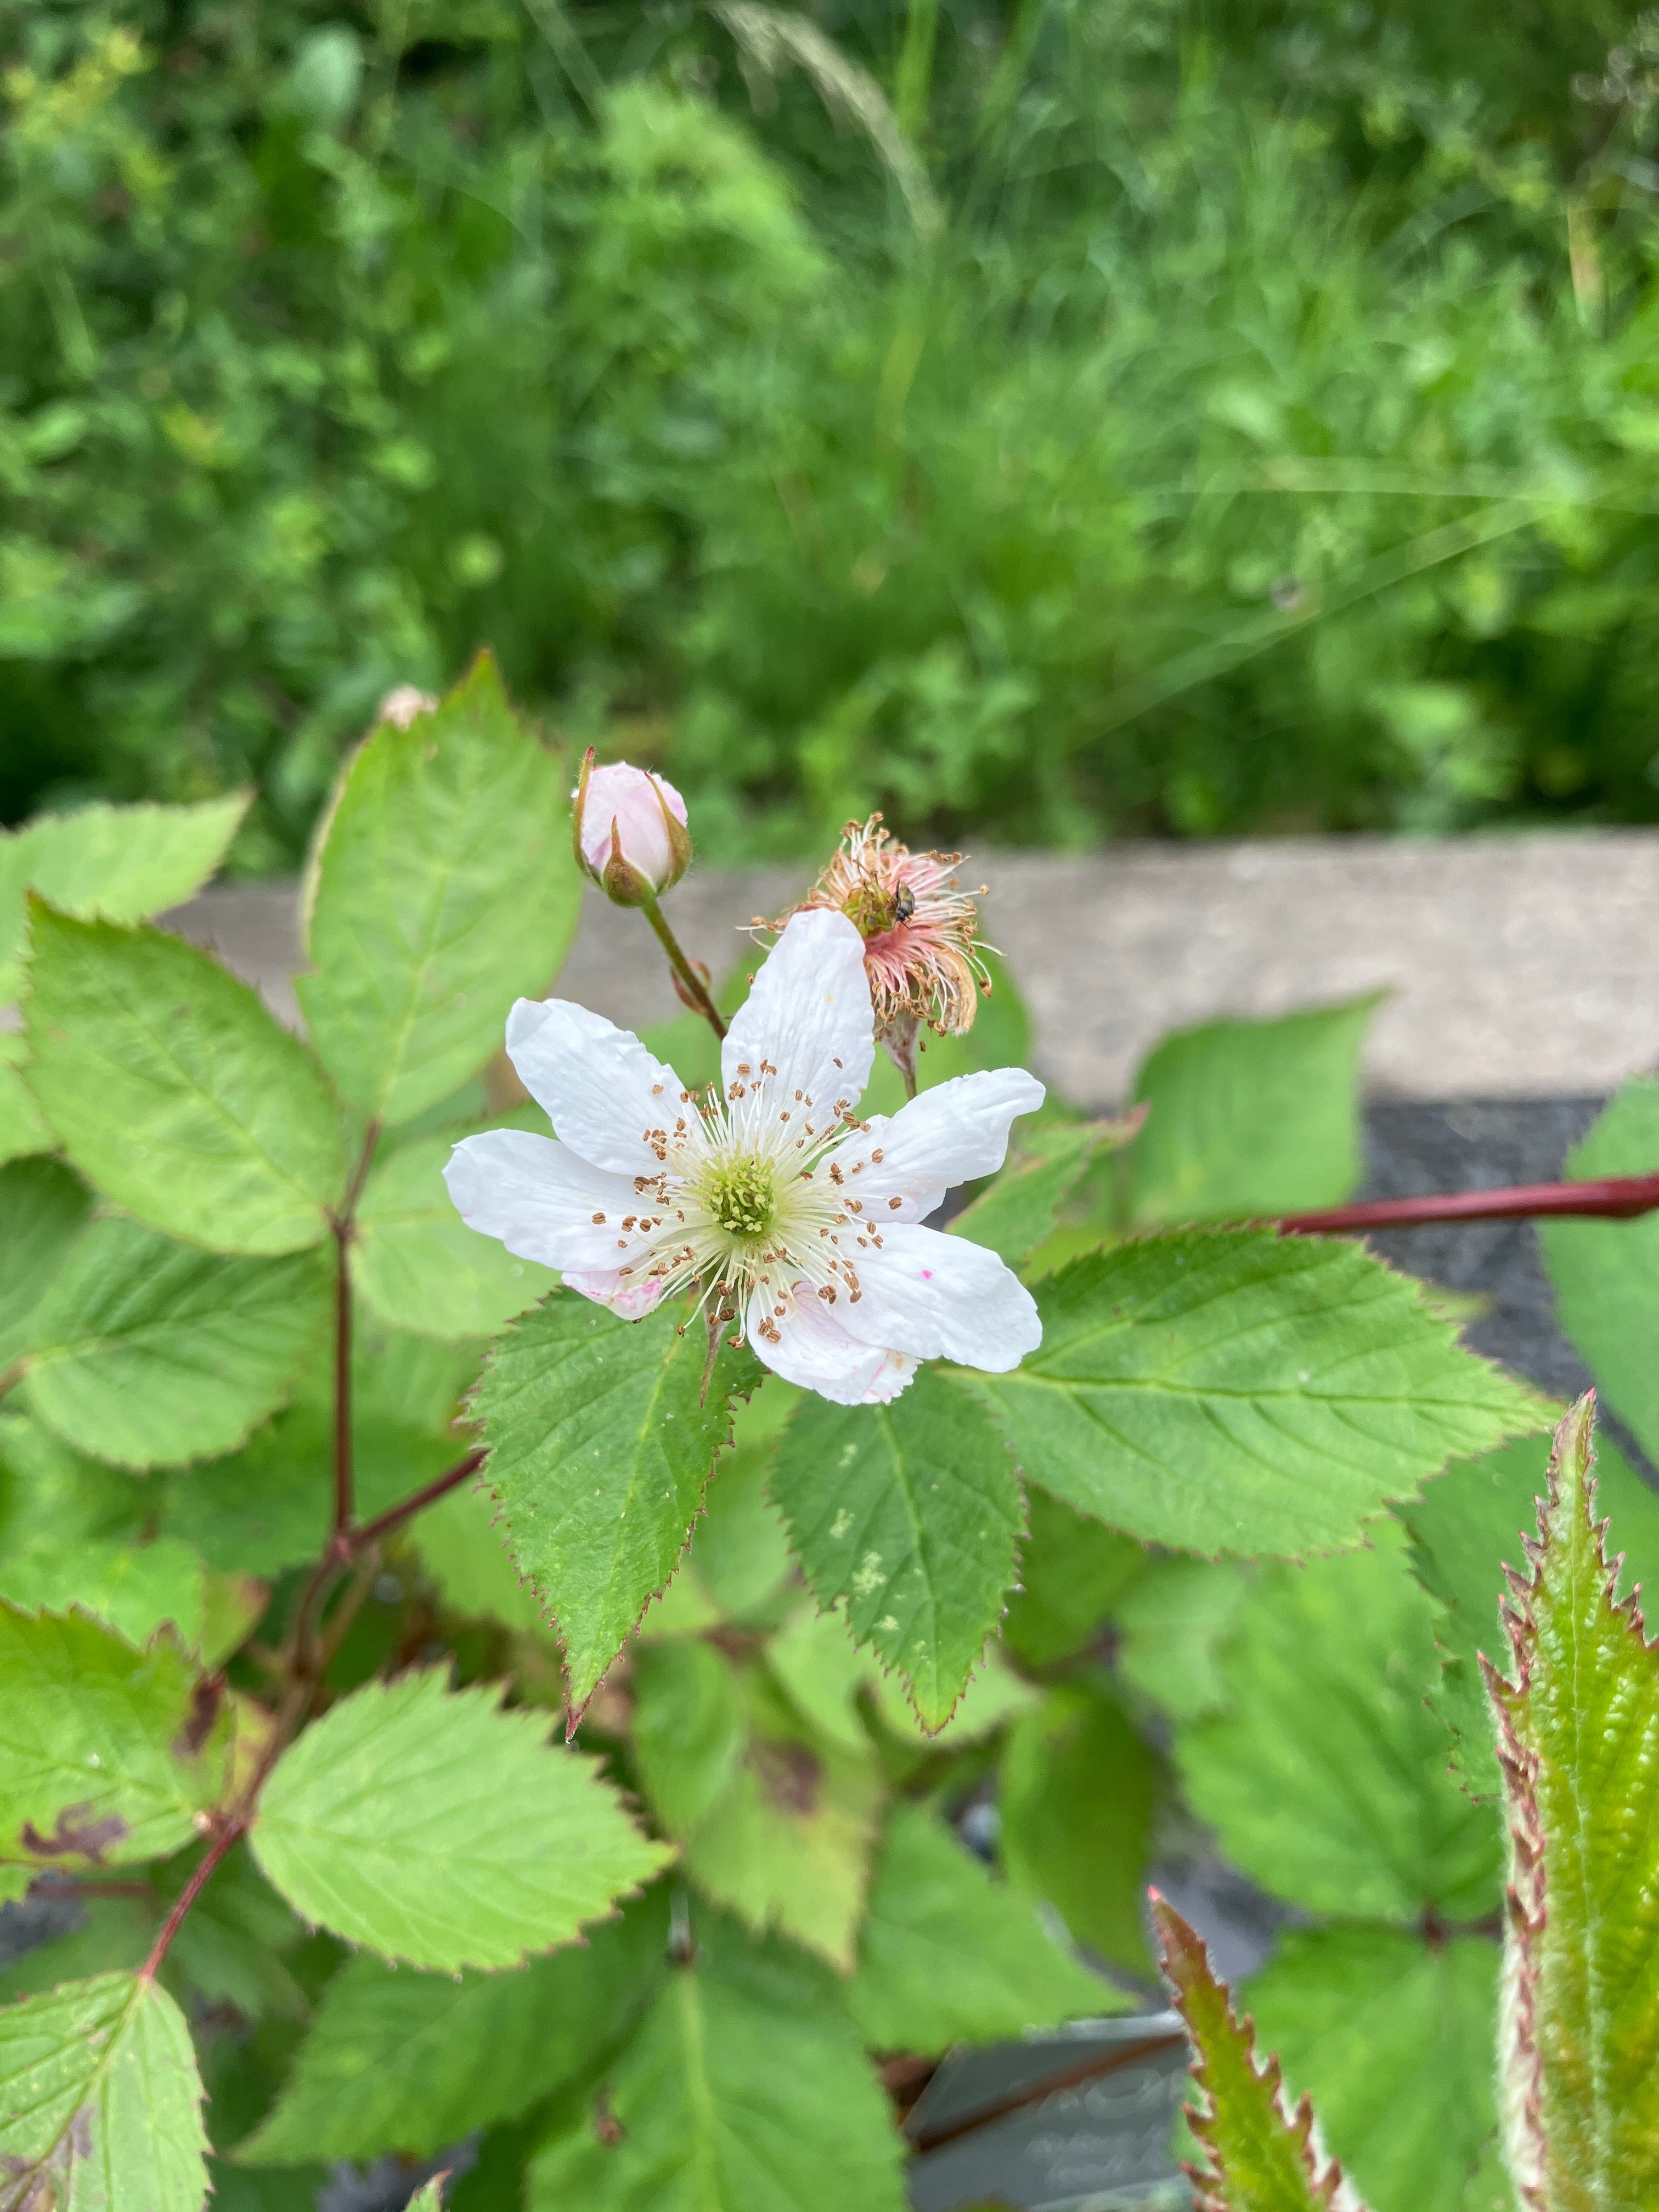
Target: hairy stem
1614 1198
695 989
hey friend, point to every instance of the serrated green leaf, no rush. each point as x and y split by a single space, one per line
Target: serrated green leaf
51 1494
1468 1525
430 2196
1078 1790
133 1587
1605 1273
815 1662
908 1513
1171 1628
119 864
421 1267
1251 1117
23 1127
435 1827
1392 2038
1073 1572
1326 1777
1016 1211
100 2103
107 1753
1580 2027
147 1353
947 1955
175 1089
788 1844
444 887
408 2062
690 1724
1258 2155
42 1207
995 1697
1235 1390
601 1440
744 2091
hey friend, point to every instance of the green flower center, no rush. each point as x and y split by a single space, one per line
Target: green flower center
742 1197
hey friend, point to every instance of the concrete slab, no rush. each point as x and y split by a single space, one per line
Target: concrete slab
1519 967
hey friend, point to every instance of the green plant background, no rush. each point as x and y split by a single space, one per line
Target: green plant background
1078 417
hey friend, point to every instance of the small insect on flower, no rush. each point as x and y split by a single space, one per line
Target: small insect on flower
769 1196
919 930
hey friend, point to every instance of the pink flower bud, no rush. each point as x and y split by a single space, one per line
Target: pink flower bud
628 826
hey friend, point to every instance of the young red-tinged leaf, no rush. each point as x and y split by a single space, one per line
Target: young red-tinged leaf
1578 1746
435 1827
1261 2154
601 1436
100 2103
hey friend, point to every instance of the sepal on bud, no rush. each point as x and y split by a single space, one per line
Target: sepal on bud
628 829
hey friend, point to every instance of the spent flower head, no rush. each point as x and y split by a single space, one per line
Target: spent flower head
628 825
769 1196
919 926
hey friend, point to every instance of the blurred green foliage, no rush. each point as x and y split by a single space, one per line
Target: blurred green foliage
1058 418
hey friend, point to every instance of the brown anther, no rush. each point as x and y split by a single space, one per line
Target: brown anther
599 1220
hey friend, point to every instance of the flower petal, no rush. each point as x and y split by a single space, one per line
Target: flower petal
941 1297
543 1200
603 1091
808 1017
631 1296
946 1136
807 1345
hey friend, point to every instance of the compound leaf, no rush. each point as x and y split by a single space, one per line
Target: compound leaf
107 1753
946 1955
1260 2156
175 1089
435 1827
100 2103
1392 2038
444 887
743 2091
418 1264
1578 1727
42 1207
408 2062
908 1512
118 864
1251 1117
601 1438
147 1353
1325 1777
1236 1390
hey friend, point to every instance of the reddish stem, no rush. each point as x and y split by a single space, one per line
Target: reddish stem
407 1508
1614 1198
343 1483
188 1895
